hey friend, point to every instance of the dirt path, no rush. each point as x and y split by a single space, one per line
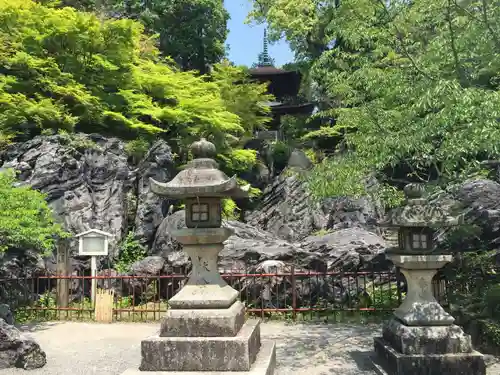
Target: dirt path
302 349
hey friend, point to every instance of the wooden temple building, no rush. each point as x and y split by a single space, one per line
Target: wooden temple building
284 86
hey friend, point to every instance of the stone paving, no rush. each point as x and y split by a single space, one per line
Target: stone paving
302 349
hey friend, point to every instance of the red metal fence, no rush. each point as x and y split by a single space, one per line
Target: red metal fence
287 292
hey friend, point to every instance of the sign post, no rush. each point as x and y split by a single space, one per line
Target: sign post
63 269
93 243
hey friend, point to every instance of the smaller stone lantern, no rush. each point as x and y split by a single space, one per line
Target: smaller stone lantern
421 338
204 329
418 222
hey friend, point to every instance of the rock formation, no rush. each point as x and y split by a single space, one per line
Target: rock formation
16 349
89 182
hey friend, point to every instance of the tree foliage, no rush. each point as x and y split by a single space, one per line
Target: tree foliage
62 69
26 221
413 86
191 32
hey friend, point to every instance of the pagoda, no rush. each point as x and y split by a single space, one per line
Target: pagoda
284 86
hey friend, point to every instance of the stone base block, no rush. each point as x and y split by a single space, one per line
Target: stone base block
210 296
264 364
203 353
390 362
426 339
423 313
203 322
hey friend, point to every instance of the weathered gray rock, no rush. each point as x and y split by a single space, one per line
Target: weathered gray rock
298 160
164 244
89 183
17 350
348 249
287 211
481 202
346 212
151 209
151 265
246 247
6 314
86 187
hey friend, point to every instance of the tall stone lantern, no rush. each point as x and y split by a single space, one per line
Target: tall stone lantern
205 329
420 338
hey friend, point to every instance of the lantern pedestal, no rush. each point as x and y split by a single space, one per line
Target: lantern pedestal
421 338
205 330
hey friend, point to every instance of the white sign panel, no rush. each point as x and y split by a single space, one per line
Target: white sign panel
93 243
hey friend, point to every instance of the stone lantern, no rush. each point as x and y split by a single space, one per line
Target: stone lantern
420 338
205 329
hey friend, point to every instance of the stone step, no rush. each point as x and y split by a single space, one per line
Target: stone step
235 353
264 364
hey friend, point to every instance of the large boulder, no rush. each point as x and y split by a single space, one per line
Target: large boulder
18 350
481 202
288 211
248 245
151 208
6 314
351 248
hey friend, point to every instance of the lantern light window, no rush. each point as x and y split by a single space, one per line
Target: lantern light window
199 212
419 241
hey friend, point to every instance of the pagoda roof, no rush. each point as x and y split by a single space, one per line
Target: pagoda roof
291 109
269 71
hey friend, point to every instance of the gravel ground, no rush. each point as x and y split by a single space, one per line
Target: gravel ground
312 349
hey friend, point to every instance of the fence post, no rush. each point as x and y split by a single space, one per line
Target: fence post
63 269
294 293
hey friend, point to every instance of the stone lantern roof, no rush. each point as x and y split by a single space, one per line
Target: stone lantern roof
201 178
419 212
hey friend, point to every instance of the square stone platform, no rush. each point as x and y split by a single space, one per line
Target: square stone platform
207 341
264 364
235 353
387 361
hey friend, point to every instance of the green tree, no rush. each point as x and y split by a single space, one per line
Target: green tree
69 70
247 99
26 221
191 32
413 88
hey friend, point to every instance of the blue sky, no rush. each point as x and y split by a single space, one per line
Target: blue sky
245 41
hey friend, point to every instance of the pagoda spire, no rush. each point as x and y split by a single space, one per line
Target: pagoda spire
264 58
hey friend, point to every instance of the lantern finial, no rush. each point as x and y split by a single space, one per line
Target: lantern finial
203 149
414 191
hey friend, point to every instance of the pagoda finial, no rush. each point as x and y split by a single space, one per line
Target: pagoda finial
264 58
